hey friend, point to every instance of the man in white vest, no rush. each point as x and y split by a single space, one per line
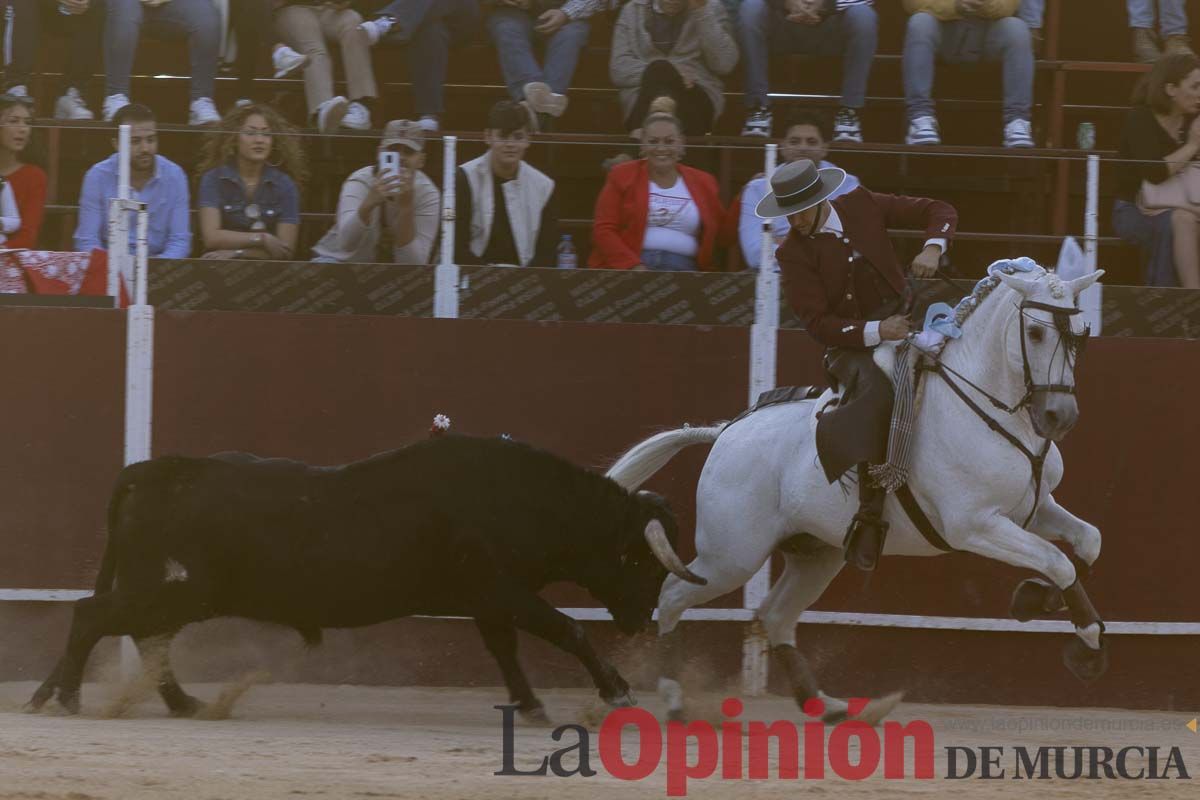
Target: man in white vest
505 208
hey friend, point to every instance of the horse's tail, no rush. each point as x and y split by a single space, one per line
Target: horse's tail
644 459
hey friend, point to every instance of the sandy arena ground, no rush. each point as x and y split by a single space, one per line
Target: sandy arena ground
295 741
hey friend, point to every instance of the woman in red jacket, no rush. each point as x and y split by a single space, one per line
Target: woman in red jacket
27 180
655 213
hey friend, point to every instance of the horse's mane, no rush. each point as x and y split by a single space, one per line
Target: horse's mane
984 288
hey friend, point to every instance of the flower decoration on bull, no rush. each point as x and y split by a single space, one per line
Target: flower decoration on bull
440 426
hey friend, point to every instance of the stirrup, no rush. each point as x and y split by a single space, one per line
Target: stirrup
866 518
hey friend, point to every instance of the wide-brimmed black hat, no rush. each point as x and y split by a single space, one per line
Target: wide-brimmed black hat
798 185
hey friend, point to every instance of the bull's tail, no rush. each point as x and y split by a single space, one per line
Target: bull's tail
644 459
108 564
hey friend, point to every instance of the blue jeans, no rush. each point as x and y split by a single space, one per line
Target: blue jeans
965 41
662 261
512 31
1034 12
1153 235
1172 16
429 28
852 33
197 20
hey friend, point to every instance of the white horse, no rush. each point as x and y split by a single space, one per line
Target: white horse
762 488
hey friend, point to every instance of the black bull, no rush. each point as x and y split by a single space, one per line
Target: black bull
449 526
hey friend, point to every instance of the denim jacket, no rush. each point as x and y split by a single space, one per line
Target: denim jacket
276 197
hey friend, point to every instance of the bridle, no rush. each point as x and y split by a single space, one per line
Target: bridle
1075 343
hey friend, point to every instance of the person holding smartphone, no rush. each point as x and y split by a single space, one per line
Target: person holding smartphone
388 211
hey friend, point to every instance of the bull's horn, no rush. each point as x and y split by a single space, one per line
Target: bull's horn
656 537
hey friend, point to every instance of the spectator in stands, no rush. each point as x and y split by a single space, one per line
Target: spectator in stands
82 23
655 213
1162 132
198 20
806 135
967 31
506 209
253 25
310 27
378 207
563 29
428 29
28 181
848 28
1172 23
674 49
249 200
161 184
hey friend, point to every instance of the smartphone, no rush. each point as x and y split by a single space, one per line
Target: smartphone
389 162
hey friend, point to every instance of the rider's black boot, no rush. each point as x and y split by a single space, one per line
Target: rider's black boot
867 531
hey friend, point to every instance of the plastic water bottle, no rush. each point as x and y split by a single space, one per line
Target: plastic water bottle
566 252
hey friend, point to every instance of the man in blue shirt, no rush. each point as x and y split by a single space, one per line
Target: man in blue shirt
154 180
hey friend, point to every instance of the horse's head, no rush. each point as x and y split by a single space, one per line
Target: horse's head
1049 337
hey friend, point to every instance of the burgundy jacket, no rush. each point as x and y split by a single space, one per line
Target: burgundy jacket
835 294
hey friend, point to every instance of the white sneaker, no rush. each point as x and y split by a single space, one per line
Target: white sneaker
544 100
376 29
923 130
1018 133
330 114
203 112
428 123
758 122
286 61
114 103
358 117
71 106
18 91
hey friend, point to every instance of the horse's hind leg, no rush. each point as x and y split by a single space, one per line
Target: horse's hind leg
804 579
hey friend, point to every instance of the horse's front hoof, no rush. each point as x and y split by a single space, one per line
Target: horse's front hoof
1085 663
1034 598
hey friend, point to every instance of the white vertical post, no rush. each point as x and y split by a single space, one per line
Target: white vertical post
124 153
139 374
764 334
445 284
1091 223
1091 299
118 219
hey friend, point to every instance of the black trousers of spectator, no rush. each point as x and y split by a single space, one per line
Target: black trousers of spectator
85 37
692 106
253 22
